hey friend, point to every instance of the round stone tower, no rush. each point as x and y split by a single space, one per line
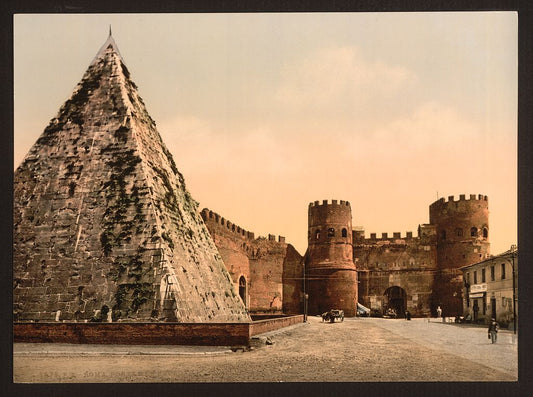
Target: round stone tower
462 230
331 277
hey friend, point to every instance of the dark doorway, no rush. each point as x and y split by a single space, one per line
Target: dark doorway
396 299
242 289
475 308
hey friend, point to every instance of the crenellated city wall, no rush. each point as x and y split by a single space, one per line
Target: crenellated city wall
270 269
392 261
215 219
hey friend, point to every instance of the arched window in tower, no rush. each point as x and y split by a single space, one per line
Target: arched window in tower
331 232
317 234
443 234
242 289
459 232
473 231
485 232
344 232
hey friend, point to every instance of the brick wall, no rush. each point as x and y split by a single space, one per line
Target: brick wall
262 326
406 263
211 334
207 334
272 269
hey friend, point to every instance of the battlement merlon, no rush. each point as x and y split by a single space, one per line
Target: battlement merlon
462 197
208 215
326 202
359 234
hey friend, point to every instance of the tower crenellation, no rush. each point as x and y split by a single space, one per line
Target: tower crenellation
330 222
462 197
385 236
326 202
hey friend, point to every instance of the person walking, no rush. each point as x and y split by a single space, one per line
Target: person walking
493 330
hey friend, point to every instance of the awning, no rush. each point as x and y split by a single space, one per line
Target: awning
362 309
478 295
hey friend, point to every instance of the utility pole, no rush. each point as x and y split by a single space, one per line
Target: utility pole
513 251
305 296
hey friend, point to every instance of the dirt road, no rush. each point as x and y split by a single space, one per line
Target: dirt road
356 350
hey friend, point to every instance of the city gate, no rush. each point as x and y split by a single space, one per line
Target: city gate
396 299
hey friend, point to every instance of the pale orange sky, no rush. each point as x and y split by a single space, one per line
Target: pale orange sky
265 113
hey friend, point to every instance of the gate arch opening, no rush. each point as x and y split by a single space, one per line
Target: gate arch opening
396 299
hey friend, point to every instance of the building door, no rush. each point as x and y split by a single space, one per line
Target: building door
396 299
475 308
493 307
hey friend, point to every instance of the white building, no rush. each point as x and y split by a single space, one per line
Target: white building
490 287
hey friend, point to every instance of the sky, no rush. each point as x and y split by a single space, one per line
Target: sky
265 113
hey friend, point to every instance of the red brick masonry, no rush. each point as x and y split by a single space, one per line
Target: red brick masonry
272 324
211 334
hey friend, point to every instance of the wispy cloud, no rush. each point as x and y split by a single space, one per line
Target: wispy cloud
339 74
430 125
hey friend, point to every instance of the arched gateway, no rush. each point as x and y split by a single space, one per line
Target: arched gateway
396 299
242 289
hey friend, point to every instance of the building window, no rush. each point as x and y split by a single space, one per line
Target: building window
475 277
317 234
331 232
443 234
492 273
503 271
473 231
485 232
468 278
344 232
459 232
483 275
484 306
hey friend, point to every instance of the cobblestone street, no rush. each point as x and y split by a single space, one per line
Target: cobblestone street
356 350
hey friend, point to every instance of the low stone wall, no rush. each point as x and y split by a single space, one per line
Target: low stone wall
272 324
216 334
207 334
258 317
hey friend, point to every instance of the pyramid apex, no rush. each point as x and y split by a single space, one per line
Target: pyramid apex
109 42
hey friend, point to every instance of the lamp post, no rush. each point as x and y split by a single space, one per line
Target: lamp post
305 296
513 252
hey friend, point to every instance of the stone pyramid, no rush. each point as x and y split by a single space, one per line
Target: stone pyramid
104 228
